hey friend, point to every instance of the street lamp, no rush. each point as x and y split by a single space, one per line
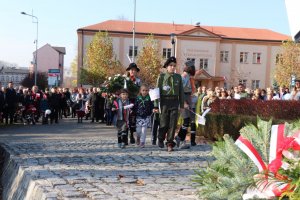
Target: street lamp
133 31
173 43
36 43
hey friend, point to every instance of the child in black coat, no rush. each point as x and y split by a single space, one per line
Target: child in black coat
143 108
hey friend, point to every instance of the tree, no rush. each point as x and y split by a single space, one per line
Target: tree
41 79
287 63
74 69
100 60
149 60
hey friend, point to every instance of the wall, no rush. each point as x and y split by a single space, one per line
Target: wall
48 58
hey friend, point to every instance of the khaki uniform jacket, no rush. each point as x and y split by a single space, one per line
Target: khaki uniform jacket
170 88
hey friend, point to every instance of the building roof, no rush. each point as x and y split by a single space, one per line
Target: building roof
13 70
60 49
181 29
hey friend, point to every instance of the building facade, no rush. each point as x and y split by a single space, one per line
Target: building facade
16 75
50 57
223 56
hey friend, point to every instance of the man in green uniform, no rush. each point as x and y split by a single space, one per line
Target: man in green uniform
171 98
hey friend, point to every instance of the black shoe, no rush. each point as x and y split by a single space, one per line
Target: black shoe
193 138
161 144
177 139
153 142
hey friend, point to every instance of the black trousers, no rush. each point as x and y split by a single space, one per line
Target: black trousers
9 113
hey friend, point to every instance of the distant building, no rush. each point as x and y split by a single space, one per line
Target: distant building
50 57
16 75
223 56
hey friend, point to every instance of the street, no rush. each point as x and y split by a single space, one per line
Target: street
82 161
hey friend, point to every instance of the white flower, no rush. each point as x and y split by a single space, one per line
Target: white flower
290 155
285 165
124 75
109 78
127 78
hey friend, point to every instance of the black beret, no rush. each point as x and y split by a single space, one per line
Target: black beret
190 63
190 67
133 65
170 60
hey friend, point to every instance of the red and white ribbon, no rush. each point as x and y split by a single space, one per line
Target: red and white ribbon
277 136
246 146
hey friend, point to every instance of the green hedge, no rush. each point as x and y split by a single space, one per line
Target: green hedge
217 125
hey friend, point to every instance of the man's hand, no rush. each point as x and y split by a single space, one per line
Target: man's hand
186 105
155 110
113 109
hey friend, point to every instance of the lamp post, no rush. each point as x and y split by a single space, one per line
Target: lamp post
173 43
36 43
133 32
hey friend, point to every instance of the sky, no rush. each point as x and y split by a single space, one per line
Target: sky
59 20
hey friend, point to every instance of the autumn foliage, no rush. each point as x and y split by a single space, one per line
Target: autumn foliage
100 61
288 63
149 61
276 109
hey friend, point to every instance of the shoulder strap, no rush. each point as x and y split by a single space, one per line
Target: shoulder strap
161 79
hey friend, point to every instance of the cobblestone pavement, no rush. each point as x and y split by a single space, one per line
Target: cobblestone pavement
82 161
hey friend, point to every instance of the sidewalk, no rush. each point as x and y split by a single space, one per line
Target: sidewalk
82 161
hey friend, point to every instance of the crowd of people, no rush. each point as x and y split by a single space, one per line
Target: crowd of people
132 115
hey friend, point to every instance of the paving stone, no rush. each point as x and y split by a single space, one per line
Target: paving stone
82 161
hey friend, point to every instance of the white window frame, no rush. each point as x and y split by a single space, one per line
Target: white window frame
256 58
167 52
224 55
255 84
243 81
244 57
130 53
203 63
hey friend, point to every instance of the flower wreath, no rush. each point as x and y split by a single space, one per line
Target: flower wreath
118 82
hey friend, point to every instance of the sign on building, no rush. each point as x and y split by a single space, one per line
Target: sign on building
53 77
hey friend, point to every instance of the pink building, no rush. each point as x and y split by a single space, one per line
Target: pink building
224 56
50 57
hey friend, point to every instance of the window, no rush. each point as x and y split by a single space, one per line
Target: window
17 78
204 63
224 56
243 81
2 78
12 78
7 78
167 53
278 59
255 84
243 57
256 58
131 51
192 59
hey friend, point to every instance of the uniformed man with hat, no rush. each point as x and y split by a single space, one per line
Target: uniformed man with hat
171 99
133 70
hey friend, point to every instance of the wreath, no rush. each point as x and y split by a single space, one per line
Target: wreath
118 82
